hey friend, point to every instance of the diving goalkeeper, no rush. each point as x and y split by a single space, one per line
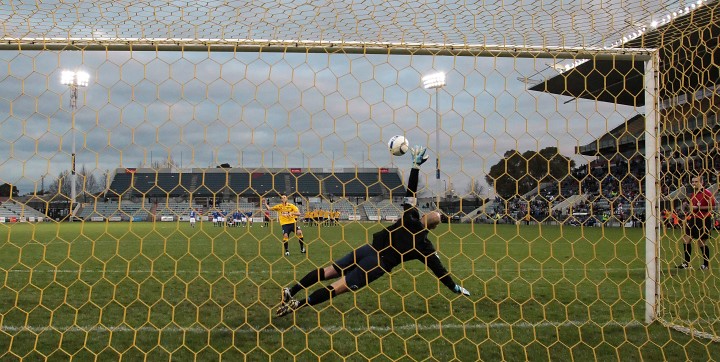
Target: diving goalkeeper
402 241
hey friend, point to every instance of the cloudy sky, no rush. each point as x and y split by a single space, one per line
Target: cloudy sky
280 110
257 110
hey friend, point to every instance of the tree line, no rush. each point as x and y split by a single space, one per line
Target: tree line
87 183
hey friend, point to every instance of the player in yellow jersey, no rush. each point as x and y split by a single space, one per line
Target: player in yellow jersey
288 214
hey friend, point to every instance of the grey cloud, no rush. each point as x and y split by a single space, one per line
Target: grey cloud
293 110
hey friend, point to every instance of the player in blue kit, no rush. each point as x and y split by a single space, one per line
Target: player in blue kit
193 218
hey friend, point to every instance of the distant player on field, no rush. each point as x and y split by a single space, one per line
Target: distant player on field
266 218
193 218
404 240
288 222
239 218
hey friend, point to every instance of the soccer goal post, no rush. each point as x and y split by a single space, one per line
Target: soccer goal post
652 184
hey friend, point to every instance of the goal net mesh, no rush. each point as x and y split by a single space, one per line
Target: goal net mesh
537 141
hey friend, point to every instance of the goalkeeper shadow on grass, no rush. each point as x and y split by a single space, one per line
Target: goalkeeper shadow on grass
402 241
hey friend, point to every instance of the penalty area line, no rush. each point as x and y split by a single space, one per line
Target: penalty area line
331 328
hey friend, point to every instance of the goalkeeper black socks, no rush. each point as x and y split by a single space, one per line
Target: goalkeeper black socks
308 280
688 251
706 255
321 295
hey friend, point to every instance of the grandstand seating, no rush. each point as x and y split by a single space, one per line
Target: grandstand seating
121 183
351 184
239 183
243 207
262 184
135 211
385 210
599 188
333 185
346 208
610 191
570 202
307 184
99 209
125 210
10 209
174 209
259 183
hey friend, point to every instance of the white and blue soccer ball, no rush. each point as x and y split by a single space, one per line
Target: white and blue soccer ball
398 145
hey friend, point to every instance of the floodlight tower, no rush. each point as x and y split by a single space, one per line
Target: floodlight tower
74 80
436 81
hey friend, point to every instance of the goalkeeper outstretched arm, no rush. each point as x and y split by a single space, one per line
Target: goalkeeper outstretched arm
419 156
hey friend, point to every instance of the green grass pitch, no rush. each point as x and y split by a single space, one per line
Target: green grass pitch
160 291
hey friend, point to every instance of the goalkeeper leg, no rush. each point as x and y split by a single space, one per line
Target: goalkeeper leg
367 270
339 267
309 280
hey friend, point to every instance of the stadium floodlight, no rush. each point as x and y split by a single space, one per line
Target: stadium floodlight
436 81
74 80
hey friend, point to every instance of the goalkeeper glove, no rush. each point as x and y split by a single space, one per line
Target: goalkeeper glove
460 290
419 156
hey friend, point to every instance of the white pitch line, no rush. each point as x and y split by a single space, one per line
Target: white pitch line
288 271
330 329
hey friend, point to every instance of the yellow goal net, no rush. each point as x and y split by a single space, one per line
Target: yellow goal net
148 148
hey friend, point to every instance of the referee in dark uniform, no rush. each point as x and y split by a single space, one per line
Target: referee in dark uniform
698 223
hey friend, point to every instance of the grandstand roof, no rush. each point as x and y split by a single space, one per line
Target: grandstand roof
627 136
622 82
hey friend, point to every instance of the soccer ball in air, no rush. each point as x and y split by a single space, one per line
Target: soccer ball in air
398 145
